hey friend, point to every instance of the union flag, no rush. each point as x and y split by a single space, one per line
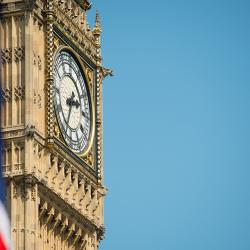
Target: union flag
4 220
4 229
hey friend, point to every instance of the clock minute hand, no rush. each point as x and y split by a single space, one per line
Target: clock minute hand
70 108
69 103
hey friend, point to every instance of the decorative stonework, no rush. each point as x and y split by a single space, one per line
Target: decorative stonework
89 159
56 42
13 133
37 61
73 21
5 20
99 125
6 55
37 99
49 69
30 131
67 231
37 15
19 92
89 74
19 54
6 93
14 191
19 156
57 131
7 159
19 18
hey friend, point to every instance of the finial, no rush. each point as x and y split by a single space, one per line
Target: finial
97 29
97 18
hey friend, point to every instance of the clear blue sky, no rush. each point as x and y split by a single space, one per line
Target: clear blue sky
176 124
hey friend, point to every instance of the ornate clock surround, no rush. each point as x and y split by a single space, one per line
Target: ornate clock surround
62 40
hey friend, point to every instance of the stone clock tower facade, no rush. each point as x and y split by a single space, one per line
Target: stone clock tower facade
51 120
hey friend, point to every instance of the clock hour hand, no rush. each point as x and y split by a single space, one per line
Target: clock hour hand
71 102
70 108
70 99
75 103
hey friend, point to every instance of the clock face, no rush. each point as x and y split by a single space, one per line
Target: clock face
72 102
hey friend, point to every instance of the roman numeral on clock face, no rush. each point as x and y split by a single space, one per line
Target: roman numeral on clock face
81 127
84 114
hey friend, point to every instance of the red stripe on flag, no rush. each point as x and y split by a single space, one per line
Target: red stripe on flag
2 246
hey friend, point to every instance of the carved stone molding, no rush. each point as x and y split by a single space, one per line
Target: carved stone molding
99 125
30 131
49 17
19 53
66 230
24 187
18 163
19 92
72 20
15 193
37 99
6 55
12 133
37 61
19 18
57 132
5 20
6 94
29 180
89 158
37 15
89 74
69 219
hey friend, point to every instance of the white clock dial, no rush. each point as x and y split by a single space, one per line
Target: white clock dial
72 105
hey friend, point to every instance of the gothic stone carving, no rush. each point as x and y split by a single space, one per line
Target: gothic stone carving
37 99
6 55
37 61
6 94
19 92
18 54
73 20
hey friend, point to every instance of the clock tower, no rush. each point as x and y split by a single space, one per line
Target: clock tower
51 120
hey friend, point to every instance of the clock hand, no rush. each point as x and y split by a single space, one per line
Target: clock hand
69 103
75 103
70 100
70 108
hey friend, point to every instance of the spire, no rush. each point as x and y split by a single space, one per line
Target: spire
97 29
